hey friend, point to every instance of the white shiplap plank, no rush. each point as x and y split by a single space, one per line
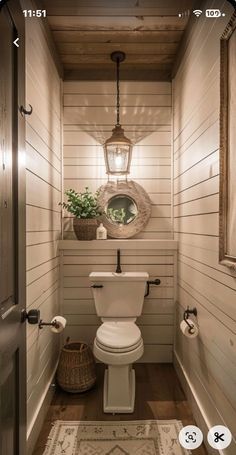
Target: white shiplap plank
111 259
42 269
150 185
38 144
97 115
198 191
108 100
41 193
153 270
98 172
198 224
151 307
42 219
130 87
99 161
208 204
36 289
202 171
96 152
41 167
86 293
35 238
37 254
201 148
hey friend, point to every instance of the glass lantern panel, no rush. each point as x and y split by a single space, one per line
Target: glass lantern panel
117 158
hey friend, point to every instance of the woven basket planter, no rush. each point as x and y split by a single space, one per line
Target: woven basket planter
76 368
85 229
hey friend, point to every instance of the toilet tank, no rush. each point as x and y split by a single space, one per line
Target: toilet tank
121 294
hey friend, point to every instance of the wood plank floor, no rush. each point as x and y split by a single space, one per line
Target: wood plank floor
158 396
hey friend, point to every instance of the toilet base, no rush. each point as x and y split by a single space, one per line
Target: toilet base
119 389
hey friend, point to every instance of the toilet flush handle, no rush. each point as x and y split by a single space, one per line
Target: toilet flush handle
97 286
149 282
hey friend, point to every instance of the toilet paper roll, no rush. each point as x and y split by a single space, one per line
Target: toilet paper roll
185 329
61 323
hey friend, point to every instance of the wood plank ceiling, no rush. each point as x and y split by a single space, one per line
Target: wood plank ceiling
87 31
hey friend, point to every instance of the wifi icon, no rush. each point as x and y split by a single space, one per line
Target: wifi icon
197 12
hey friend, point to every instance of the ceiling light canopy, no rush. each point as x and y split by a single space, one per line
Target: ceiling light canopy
118 148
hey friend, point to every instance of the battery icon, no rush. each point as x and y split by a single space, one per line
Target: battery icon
214 13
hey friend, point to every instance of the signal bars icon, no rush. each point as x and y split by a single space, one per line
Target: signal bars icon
184 14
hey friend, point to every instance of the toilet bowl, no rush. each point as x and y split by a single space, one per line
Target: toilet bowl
118 342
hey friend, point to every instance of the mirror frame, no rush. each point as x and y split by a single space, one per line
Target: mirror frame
225 258
134 191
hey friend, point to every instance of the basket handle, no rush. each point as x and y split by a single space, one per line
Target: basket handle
67 340
81 347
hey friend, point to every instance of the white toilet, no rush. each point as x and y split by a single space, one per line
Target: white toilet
118 343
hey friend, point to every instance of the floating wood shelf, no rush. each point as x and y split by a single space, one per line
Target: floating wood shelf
130 244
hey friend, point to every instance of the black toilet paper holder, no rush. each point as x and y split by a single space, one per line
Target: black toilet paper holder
186 315
52 324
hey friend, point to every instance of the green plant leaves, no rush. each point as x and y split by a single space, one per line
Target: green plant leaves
82 205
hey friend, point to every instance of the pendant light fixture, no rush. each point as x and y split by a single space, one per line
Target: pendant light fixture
118 148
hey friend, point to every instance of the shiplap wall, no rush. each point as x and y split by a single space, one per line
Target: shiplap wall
156 322
89 116
43 193
208 362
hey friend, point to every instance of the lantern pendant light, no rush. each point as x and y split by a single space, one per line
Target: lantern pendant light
118 148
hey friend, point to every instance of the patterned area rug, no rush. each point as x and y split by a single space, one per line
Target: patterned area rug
143 437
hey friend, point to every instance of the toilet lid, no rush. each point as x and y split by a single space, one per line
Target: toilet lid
118 334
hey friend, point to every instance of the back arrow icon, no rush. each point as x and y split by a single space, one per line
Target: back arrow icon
16 43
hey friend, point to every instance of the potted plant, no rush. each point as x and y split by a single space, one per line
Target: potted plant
84 206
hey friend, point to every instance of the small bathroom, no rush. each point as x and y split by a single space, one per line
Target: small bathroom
118 251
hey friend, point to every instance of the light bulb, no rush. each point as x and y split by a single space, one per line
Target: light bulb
118 160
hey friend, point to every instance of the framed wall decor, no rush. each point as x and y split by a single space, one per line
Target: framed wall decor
227 231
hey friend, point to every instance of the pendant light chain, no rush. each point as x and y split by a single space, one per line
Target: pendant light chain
118 92
118 148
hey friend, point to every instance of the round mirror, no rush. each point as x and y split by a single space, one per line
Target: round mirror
121 209
126 208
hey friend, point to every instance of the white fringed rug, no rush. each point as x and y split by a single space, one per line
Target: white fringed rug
142 437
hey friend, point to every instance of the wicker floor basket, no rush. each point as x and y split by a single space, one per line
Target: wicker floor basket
76 368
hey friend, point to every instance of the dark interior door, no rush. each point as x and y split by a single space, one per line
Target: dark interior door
12 234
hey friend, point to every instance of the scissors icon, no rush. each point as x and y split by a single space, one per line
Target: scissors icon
218 437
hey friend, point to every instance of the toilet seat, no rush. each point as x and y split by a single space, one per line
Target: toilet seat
118 336
118 350
110 357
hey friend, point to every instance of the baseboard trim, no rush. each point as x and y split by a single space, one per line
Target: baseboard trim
40 414
196 406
